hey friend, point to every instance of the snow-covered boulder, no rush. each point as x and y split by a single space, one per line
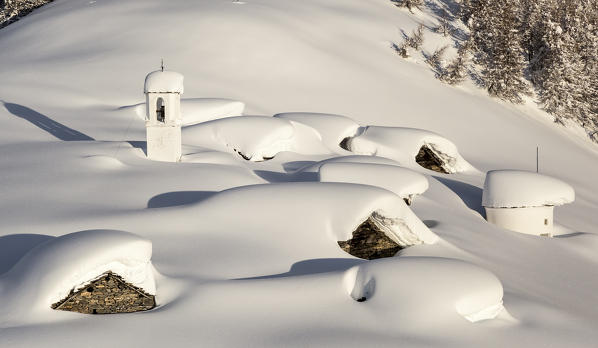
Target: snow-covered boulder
404 144
404 182
524 201
48 273
424 290
163 82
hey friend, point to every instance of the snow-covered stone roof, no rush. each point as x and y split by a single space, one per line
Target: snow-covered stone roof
163 82
517 188
402 181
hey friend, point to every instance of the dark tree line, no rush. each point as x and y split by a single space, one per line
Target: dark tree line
547 45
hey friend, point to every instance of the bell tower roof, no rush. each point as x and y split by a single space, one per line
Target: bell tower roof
163 82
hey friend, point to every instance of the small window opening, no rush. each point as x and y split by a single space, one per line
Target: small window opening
546 222
160 110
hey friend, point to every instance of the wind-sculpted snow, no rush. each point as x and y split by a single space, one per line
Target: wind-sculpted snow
260 265
47 273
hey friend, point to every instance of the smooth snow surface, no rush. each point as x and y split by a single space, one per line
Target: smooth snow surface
245 252
47 273
163 82
402 181
517 188
403 144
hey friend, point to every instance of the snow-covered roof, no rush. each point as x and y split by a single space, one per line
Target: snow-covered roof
403 144
47 273
402 181
517 188
163 82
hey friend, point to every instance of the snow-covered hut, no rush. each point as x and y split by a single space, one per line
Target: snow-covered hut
404 182
524 201
163 91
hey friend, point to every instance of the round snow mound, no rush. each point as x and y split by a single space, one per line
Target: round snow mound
518 188
404 182
47 273
425 289
403 145
255 138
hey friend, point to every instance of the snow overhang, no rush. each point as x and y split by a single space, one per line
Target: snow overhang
519 189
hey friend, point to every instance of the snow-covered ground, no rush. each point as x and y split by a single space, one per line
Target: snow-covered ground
245 253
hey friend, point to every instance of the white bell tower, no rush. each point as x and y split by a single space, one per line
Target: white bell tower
163 121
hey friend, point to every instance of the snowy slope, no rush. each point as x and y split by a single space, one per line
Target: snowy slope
241 265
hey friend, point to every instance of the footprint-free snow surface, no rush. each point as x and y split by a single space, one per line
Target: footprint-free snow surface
299 124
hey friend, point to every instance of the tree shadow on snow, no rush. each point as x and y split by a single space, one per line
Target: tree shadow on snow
313 266
469 194
45 123
13 247
177 198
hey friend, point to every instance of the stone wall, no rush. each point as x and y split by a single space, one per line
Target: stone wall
109 293
369 243
12 10
428 159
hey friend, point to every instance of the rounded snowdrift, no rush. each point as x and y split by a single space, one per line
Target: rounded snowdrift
403 145
404 182
518 188
332 129
255 138
47 273
422 290
340 206
315 167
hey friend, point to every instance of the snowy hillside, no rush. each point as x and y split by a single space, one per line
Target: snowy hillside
243 234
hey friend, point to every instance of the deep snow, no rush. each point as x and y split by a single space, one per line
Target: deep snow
243 255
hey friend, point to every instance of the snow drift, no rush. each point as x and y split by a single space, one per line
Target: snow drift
404 182
422 291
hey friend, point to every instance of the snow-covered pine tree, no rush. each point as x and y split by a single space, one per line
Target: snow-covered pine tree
456 71
416 39
497 42
556 78
435 61
409 4
444 27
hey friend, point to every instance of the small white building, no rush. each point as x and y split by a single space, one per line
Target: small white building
524 201
163 91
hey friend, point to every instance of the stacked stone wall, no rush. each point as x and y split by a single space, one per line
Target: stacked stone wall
109 293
